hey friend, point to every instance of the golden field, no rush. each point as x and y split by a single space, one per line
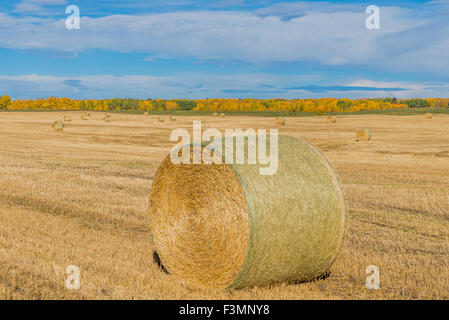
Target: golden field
80 197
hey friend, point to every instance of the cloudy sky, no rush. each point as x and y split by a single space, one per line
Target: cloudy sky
224 49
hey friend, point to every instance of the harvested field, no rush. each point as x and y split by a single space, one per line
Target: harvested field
80 198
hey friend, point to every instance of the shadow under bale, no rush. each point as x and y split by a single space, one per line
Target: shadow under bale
158 261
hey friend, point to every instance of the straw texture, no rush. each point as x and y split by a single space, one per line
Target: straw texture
227 226
58 126
280 121
364 135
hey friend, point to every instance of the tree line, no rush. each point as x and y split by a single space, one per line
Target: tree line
324 105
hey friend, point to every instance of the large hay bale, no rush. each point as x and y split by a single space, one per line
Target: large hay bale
364 135
159 119
222 115
331 119
146 113
84 117
428 116
107 119
67 118
215 114
107 115
58 126
280 121
172 118
227 226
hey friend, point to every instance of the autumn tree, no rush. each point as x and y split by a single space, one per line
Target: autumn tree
4 102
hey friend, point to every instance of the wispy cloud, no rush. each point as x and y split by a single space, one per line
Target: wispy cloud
203 86
326 37
37 7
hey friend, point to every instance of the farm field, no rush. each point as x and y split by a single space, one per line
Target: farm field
80 197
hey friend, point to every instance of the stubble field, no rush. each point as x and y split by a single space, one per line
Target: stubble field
80 197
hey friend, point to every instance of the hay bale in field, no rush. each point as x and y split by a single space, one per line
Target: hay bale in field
331 119
280 121
428 116
227 226
222 115
67 118
215 114
364 135
159 119
107 119
58 126
172 118
84 117
107 115
146 113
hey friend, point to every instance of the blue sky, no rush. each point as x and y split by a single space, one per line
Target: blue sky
224 49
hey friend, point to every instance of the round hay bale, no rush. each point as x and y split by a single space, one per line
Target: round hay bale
364 135
84 117
146 113
172 118
107 115
331 119
107 119
280 121
428 116
67 118
215 114
222 115
227 226
159 119
58 126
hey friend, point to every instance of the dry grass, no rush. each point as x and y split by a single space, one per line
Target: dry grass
81 198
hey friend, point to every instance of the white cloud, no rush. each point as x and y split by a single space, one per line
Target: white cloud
36 6
330 37
199 86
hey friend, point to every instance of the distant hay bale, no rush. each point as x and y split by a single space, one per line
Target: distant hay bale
331 119
222 115
146 113
428 116
87 114
107 119
107 115
172 118
228 226
67 118
58 126
364 135
159 119
215 114
280 121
